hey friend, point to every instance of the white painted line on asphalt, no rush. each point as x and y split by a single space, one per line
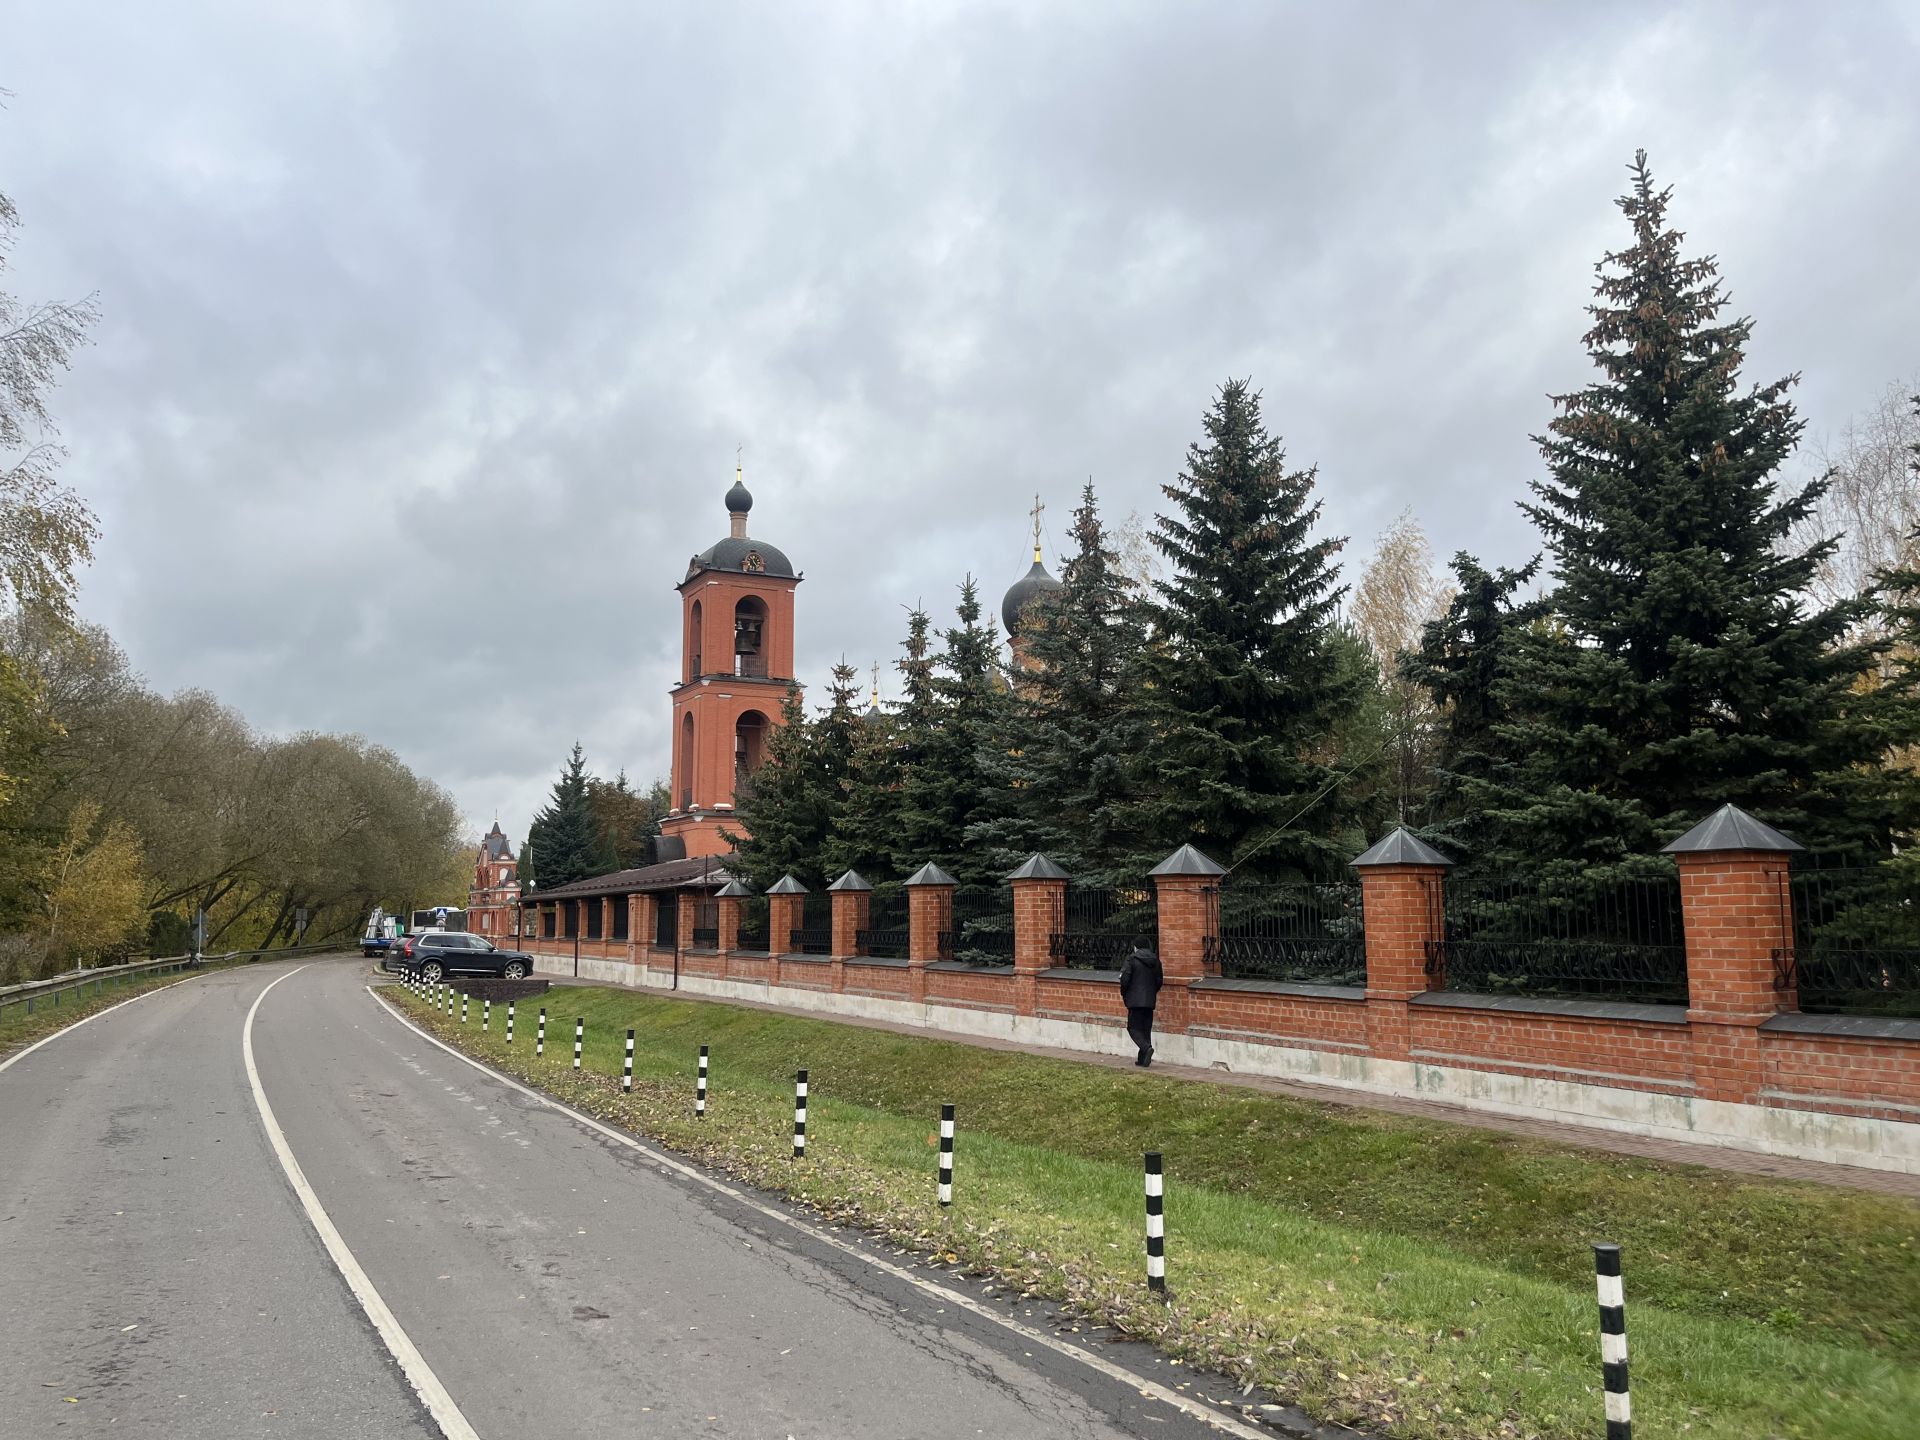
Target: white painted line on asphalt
412 1364
13 1060
1217 1419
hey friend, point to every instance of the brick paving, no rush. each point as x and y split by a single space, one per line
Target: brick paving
1588 1137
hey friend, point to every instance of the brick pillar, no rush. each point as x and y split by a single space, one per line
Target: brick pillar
636 937
783 918
1738 914
687 900
929 915
1039 913
729 922
642 923
1403 888
606 919
1188 892
852 899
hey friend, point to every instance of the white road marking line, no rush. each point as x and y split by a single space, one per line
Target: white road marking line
412 1364
13 1060
1141 1385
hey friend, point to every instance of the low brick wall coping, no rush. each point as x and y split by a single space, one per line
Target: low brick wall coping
892 960
960 967
1356 993
1863 1027
1069 972
797 959
1577 1009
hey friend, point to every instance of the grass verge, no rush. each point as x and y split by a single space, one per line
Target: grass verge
1418 1279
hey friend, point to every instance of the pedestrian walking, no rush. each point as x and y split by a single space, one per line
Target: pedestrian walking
1140 991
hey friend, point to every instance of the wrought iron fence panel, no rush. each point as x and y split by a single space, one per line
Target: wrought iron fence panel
620 918
1103 926
814 934
754 930
1856 940
706 924
982 932
666 920
887 932
1573 939
1309 934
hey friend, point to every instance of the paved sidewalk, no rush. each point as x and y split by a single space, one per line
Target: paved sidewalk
1714 1157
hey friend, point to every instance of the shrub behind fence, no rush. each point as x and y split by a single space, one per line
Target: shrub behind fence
982 932
1577 939
1308 934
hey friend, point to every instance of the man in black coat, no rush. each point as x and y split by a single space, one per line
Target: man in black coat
1140 990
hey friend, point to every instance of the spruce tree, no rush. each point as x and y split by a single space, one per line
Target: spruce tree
781 806
915 723
861 836
1244 683
1061 761
947 789
1685 667
563 839
1462 656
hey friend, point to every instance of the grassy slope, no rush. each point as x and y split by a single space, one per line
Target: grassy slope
1429 1280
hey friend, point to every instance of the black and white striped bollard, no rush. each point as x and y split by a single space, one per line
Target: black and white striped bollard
579 1033
626 1070
800 1116
486 1014
946 1154
1613 1341
1156 1225
509 1022
540 1036
463 1009
700 1088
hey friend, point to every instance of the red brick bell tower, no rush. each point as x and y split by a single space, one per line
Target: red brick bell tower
736 611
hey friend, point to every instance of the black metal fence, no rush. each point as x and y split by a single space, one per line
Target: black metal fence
1856 940
887 931
982 932
755 932
1581 939
1102 926
620 912
666 920
814 934
1310 934
706 924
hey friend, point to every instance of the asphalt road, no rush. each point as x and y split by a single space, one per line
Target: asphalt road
159 1275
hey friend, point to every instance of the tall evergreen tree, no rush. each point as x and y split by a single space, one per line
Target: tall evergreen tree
1072 721
1685 668
563 839
916 722
947 790
1462 656
625 820
861 836
1244 681
782 807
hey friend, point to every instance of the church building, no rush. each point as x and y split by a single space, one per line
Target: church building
494 897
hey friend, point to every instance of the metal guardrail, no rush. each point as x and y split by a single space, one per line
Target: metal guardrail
33 994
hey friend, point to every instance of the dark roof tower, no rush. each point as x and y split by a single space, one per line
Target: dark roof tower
737 553
1030 586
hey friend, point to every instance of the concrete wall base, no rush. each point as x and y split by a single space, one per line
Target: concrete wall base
1774 1130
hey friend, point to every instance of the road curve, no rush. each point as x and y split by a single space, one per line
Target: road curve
554 1281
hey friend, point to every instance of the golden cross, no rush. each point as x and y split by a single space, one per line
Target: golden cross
1038 506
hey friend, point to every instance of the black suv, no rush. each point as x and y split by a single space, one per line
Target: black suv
440 953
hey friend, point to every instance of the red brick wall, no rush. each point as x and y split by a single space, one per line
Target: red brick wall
1088 1000
756 968
1871 1077
1288 1019
970 987
709 963
814 972
1621 1053
891 981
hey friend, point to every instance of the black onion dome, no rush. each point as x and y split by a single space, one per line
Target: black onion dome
1024 591
739 498
745 556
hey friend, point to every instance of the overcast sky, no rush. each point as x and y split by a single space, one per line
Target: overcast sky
431 329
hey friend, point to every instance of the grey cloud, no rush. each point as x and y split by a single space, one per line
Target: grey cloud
429 337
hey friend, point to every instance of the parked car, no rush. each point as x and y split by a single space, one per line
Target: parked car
437 954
